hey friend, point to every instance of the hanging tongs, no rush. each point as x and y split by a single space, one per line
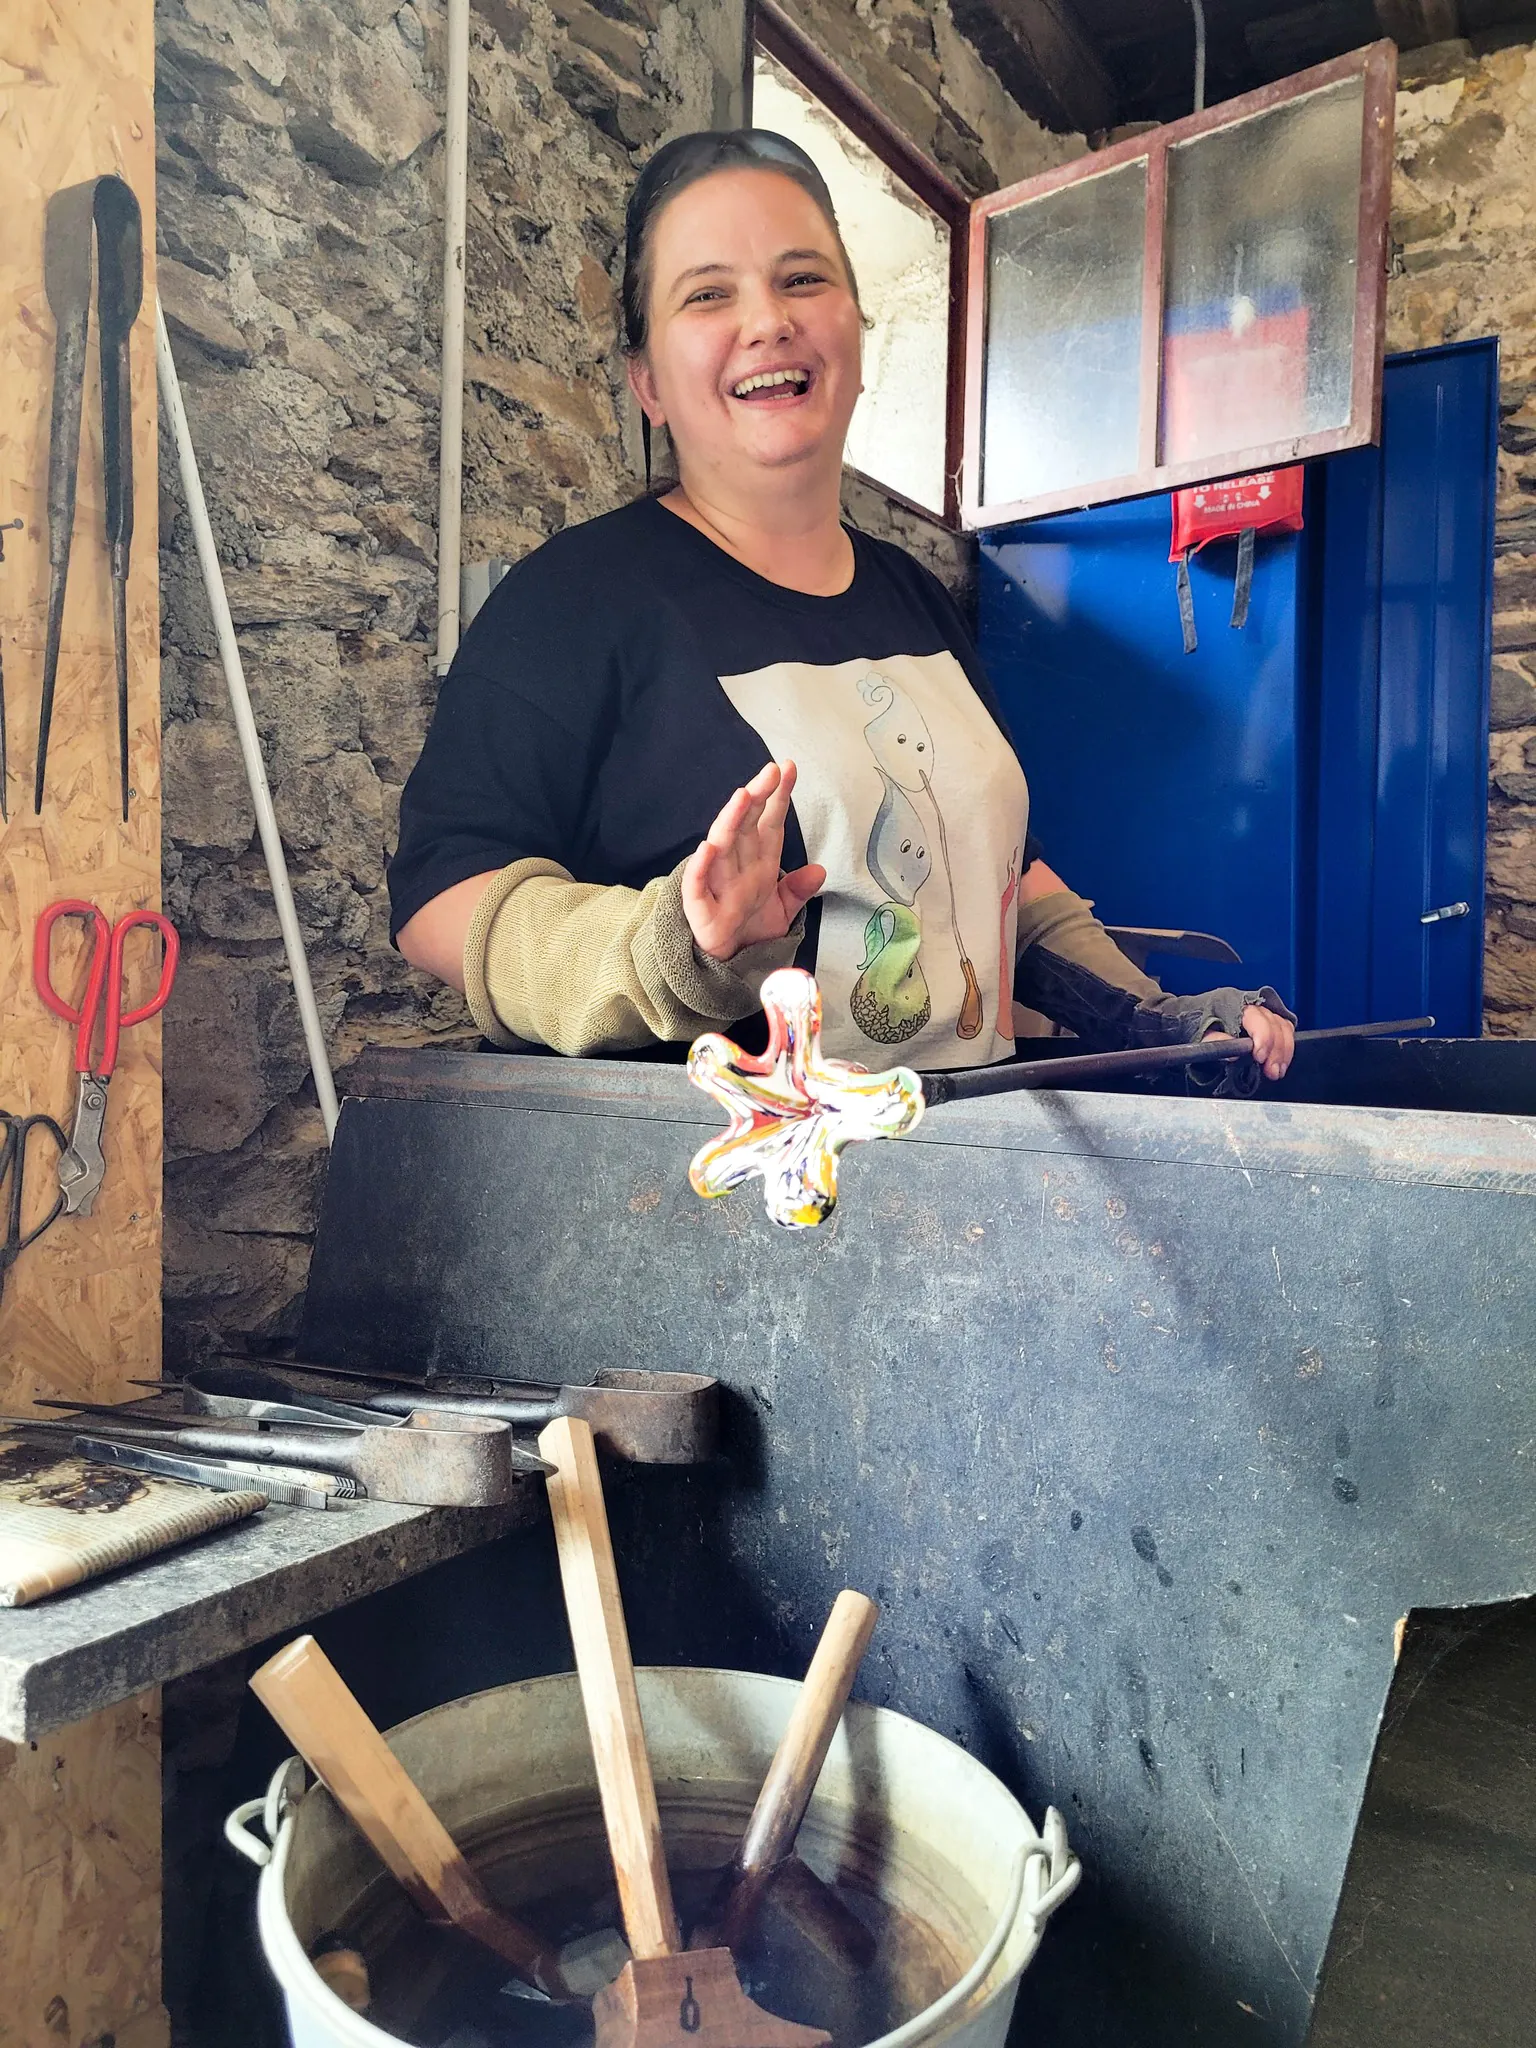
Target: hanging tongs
103 211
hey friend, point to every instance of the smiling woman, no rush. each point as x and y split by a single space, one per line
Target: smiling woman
608 843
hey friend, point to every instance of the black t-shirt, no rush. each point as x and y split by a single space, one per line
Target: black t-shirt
621 681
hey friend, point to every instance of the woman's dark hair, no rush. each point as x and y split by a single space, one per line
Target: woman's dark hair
676 166
683 162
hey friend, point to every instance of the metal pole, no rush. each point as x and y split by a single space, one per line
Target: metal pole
245 725
1199 13
1009 1076
450 475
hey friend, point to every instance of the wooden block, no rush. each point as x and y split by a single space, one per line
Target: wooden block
345 1971
81 1311
690 2001
80 1813
80 1883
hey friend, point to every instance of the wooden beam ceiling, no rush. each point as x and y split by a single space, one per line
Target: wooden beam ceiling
1040 52
1091 65
1282 40
1412 23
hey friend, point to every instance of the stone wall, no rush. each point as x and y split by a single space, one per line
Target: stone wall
294 149
300 176
1464 212
911 59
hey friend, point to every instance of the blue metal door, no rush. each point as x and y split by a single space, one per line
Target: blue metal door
1312 786
1402 541
1162 785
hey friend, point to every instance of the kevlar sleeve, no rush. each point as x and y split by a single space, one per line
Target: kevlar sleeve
586 967
1071 970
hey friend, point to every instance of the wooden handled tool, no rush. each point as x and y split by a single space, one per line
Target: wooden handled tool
663 1998
309 1700
769 1842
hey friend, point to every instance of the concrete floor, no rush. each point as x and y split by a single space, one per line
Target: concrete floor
1435 1943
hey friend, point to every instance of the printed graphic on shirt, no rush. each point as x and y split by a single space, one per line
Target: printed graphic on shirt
914 803
885 1009
890 1002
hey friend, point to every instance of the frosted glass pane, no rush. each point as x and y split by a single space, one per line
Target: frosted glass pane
900 256
1063 347
1259 295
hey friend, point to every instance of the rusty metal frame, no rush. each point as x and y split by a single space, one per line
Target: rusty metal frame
771 30
1377 64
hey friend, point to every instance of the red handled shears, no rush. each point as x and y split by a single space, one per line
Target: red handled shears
82 1166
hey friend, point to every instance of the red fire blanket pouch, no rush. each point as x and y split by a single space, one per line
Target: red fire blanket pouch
1267 502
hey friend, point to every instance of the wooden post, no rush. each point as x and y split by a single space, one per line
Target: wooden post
80 1884
80 1810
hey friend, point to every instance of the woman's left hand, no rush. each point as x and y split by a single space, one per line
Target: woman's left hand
1274 1040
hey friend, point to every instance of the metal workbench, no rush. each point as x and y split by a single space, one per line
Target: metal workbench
1146 1419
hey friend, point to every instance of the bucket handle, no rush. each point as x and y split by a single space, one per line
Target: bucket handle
1051 1873
1043 1876
274 1806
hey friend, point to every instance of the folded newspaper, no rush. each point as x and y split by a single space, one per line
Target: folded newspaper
65 1520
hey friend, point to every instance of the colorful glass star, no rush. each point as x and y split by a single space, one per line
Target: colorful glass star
792 1109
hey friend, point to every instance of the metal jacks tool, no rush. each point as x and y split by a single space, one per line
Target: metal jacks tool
653 1418
458 1461
106 210
6 526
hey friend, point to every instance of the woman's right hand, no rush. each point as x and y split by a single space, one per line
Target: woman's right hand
733 892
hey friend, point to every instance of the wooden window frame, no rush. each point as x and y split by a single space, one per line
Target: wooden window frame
1377 64
770 29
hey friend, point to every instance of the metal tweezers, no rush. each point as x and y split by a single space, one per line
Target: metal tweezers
104 209
294 1489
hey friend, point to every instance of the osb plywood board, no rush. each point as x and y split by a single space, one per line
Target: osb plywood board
80 1814
80 1880
81 1310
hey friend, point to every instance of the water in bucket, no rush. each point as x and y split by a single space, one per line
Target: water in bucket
434 1988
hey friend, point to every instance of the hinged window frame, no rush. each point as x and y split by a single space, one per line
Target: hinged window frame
770 29
1377 64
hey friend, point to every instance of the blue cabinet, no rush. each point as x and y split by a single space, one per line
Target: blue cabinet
1311 786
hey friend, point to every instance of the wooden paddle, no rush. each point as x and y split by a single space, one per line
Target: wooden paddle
309 1700
664 1997
768 1846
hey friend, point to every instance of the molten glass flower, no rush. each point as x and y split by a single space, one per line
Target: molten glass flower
792 1111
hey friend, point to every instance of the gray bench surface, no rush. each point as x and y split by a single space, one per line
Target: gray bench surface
105 1641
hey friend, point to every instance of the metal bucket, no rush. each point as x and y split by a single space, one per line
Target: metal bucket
899 1809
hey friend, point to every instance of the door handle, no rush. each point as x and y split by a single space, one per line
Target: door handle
1445 913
